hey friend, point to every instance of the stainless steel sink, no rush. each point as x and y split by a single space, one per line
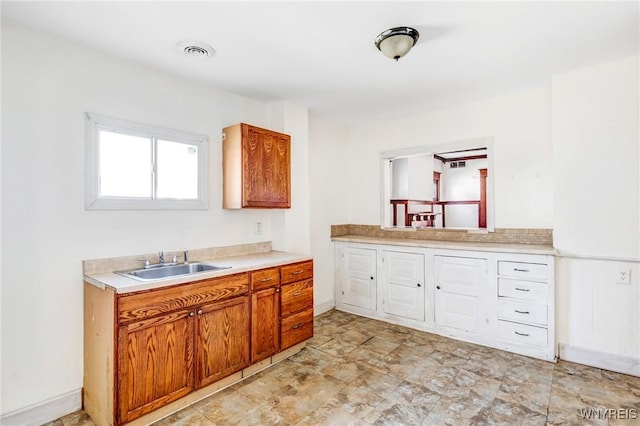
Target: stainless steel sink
159 272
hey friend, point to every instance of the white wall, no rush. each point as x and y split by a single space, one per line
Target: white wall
596 154
47 86
328 202
520 124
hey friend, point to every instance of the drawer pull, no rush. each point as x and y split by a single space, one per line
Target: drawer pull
522 334
297 293
263 280
199 311
521 312
297 272
520 270
523 289
297 326
192 314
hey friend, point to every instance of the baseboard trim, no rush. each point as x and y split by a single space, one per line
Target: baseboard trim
321 308
613 362
45 411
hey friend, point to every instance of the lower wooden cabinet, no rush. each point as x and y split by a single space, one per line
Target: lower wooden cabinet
155 363
265 327
297 304
297 328
222 340
147 349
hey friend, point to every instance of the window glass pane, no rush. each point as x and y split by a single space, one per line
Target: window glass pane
125 165
177 170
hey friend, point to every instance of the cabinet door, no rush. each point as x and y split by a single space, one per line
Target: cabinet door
155 363
266 164
265 324
359 281
459 284
222 340
404 283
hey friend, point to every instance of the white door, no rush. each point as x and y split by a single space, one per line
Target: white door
359 285
459 282
404 284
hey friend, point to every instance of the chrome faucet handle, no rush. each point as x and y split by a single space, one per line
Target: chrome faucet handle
161 257
185 256
175 259
146 261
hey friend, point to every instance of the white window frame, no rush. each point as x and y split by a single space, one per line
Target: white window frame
96 122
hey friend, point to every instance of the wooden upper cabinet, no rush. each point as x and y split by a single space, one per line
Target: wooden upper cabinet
256 167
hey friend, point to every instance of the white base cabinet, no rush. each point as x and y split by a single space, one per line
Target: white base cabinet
356 286
526 305
497 299
462 285
403 284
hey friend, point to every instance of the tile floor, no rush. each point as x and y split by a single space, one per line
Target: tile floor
357 371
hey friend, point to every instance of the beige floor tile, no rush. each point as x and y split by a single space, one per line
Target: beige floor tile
345 371
186 417
357 401
360 371
230 409
505 413
379 345
381 384
458 411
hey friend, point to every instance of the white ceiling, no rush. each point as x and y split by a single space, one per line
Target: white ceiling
321 54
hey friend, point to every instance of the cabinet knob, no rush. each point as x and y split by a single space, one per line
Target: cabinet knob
199 311
191 314
371 277
278 290
419 285
438 287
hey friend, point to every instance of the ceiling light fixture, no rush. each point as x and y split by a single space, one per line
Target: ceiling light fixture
196 49
397 42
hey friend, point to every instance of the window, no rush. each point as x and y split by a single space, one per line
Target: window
137 166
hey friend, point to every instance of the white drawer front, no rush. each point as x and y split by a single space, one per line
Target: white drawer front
531 313
524 290
523 270
522 334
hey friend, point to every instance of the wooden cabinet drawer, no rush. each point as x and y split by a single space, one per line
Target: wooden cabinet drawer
297 328
531 313
147 304
296 297
524 290
296 272
265 278
522 334
524 270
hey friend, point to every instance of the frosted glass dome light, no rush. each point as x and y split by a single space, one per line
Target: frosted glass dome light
396 42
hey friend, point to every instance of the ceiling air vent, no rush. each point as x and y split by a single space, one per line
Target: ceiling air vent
457 164
196 49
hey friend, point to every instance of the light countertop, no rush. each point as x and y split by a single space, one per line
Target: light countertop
451 245
244 263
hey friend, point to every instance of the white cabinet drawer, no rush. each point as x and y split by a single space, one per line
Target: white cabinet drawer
522 334
524 270
531 313
524 290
